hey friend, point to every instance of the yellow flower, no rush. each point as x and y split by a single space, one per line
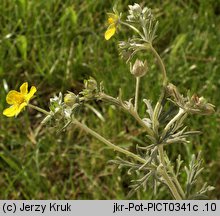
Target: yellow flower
18 100
113 22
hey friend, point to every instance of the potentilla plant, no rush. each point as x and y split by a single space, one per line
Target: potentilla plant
163 123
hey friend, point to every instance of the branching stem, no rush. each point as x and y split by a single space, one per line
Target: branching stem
174 187
132 112
108 143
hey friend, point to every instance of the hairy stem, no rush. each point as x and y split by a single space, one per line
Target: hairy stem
132 112
137 93
133 28
38 109
166 177
178 186
161 64
164 174
108 143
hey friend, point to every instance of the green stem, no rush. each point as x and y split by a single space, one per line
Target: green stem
137 93
161 64
165 80
139 120
133 28
178 186
132 112
164 174
108 143
166 177
38 109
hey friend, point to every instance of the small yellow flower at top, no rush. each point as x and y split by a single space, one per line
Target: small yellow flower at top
113 20
18 100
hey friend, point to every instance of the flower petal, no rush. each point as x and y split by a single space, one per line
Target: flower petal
14 97
30 94
21 106
24 88
14 110
110 32
11 111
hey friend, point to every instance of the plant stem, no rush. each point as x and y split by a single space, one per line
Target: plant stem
133 28
38 109
108 143
137 93
132 112
166 177
178 186
164 174
161 64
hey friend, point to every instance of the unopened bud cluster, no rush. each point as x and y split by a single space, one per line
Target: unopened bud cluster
91 89
193 104
137 13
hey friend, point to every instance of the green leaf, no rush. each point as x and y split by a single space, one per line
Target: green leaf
179 41
21 42
8 159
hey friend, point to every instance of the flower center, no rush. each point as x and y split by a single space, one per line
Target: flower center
20 99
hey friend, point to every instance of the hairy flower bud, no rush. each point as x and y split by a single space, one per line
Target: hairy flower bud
201 106
91 84
136 8
193 104
70 99
139 68
134 12
172 91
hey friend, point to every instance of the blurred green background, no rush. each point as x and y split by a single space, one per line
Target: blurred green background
55 45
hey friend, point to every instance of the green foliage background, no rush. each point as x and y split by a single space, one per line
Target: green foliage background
55 45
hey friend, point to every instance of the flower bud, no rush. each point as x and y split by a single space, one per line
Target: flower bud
70 99
200 105
134 12
91 84
171 90
139 68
